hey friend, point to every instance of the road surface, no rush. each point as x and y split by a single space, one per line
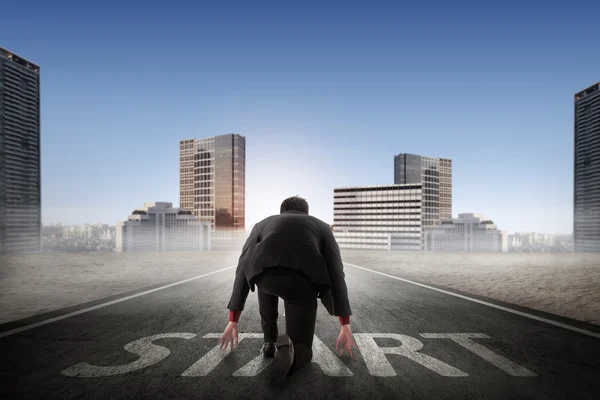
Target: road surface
416 341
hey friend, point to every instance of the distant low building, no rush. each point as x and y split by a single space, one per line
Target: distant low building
89 231
469 233
534 241
386 217
161 227
228 239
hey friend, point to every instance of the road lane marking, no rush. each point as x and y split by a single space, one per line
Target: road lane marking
464 339
378 365
327 360
322 356
109 303
485 303
149 353
254 367
331 365
210 360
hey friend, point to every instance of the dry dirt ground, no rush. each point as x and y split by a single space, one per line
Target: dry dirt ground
565 284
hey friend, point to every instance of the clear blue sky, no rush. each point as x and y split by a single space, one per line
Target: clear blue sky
326 95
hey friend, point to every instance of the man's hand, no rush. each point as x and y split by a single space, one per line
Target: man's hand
345 341
230 336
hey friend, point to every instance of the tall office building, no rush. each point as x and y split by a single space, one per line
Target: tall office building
20 169
378 217
213 180
436 176
586 196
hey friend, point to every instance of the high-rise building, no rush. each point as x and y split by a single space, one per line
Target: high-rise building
212 180
586 196
468 232
160 227
436 176
378 217
20 168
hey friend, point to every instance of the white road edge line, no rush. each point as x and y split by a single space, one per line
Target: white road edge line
485 303
108 303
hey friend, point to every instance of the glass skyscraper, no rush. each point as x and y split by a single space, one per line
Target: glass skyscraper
586 196
435 174
213 180
20 169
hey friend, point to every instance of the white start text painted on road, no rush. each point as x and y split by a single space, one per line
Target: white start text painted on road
373 355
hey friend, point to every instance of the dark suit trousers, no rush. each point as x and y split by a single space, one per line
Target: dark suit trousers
300 303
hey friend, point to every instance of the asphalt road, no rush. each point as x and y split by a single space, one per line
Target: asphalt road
415 342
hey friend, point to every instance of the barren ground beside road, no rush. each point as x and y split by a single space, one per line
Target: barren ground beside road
565 284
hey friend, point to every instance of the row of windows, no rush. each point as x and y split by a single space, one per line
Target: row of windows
392 206
397 193
361 219
381 235
355 226
370 245
361 213
391 202
375 189
204 191
413 231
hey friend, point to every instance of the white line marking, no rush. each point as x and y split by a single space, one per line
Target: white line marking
149 353
464 339
378 365
254 367
327 360
322 355
485 303
60 317
210 360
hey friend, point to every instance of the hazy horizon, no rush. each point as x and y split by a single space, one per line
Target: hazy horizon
324 96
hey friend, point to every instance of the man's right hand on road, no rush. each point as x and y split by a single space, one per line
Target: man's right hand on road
230 336
345 341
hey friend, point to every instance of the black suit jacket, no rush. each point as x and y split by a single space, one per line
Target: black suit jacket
298 241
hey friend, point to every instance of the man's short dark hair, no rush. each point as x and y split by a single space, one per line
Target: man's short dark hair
294 203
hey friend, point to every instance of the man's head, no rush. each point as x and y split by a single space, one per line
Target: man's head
294 203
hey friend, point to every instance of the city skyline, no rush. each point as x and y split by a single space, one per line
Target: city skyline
325 103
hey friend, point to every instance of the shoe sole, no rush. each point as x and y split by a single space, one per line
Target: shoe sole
284 357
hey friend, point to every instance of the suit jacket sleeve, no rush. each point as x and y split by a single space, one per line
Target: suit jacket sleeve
335 268
240 284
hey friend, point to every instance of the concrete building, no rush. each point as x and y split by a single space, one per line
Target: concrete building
536 239
20 168
586 194
212 180
468 232
529 239
228 239
89 231
160 227
515 241
378 217
435 174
